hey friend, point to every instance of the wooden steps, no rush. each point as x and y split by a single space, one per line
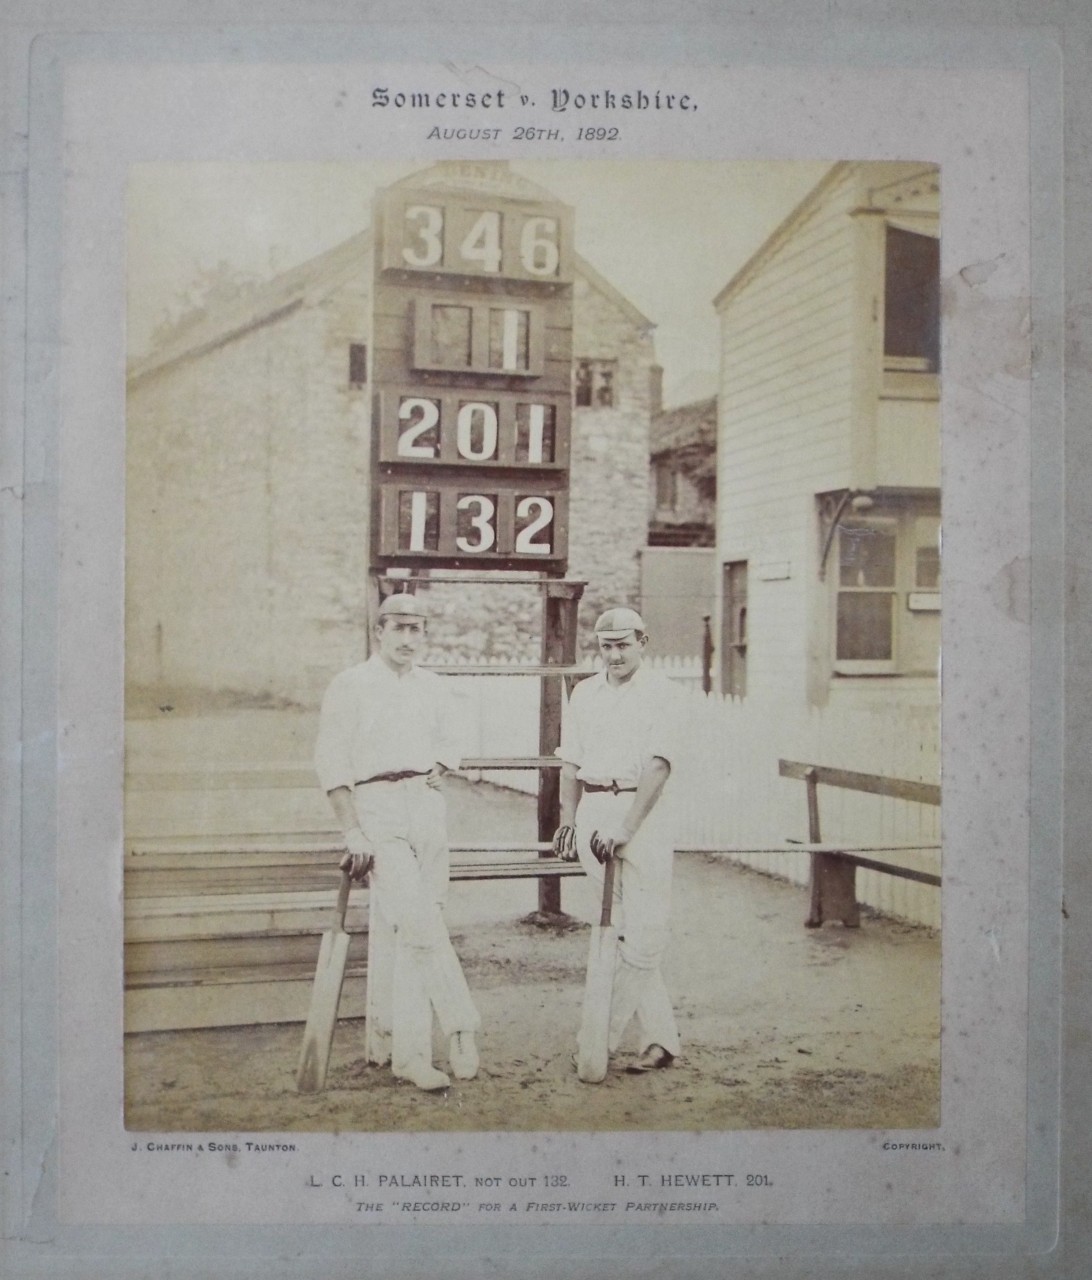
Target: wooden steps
221 931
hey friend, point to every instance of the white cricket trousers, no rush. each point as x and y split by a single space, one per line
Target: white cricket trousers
640 914
406 824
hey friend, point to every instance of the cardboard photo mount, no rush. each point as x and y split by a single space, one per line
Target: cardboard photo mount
81 108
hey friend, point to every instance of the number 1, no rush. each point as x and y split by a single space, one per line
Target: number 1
418 515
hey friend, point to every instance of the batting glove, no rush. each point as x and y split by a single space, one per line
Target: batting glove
608 844
565 843
359 860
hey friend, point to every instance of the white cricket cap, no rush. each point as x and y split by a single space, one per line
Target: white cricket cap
617 623
403 604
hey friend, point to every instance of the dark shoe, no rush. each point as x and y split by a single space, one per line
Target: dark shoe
653 1059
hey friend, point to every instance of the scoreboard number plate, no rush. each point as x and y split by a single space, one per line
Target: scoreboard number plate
456 427
459 236
470 525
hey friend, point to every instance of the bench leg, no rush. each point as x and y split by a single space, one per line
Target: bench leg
833 892
833 879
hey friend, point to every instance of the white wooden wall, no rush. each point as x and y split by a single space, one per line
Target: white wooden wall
784 424
727 789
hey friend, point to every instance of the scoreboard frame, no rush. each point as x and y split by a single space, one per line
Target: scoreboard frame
471 414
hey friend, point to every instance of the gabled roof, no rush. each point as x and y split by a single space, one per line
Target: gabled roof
493 177
604 286
900 181
781 233
309 282
688 425
313 280
688 437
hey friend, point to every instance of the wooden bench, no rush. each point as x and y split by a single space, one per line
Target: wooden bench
833 887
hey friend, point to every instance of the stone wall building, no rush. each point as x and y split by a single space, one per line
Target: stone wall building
249 484
683 449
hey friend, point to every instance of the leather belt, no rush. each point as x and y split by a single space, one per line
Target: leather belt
614 787
400 776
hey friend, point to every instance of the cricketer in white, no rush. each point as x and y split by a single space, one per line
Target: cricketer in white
384 741
619 739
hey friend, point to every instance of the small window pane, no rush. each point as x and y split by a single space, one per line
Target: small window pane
583 388
927 554
912 297
864 626
450 335
866 555
927 569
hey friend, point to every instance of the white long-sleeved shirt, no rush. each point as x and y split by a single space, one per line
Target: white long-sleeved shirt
611 732
374 721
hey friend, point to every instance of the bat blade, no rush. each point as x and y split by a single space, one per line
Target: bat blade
318 1035
593 1048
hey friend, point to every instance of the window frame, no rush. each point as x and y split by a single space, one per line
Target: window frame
909 601
596 368
921 363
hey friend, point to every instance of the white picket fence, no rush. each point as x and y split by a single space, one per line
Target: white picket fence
726 790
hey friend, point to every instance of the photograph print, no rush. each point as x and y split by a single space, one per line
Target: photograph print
532 646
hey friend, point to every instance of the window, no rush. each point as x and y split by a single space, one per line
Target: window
866 591
886 616
358 364
734 629
911 328
593 383
667 487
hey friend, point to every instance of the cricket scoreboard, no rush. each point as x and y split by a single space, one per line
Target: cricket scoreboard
472 361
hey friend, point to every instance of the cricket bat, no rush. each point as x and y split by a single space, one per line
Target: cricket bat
592 1044
318 1035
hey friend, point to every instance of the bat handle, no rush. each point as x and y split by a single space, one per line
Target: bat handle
342 901
608 892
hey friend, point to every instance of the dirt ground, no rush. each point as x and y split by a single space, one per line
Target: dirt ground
782 1026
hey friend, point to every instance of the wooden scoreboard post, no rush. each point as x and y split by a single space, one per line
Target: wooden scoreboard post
472 412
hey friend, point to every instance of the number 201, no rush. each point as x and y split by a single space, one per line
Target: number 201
476 430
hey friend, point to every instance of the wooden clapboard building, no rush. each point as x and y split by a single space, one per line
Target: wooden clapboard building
828 444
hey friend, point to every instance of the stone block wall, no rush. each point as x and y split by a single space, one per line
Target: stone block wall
610 461
249 509
247 512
